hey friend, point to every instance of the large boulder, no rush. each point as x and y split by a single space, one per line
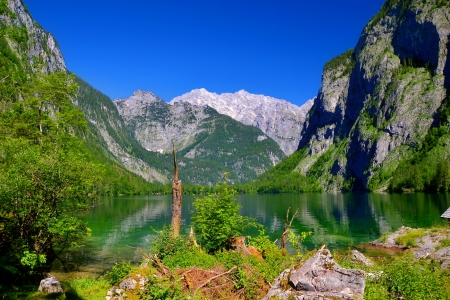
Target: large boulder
320 277
50 285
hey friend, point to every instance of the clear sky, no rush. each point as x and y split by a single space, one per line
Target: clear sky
271 47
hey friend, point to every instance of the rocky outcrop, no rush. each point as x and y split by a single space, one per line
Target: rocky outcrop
278 119
378 101
424 243
208 143
320 277
41 45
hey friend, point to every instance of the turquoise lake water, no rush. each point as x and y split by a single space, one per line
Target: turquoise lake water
121 224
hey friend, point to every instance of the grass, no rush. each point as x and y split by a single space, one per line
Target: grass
410 238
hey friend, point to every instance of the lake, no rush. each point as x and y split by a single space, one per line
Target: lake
121 224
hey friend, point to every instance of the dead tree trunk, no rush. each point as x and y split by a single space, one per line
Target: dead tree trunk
286 228
176 198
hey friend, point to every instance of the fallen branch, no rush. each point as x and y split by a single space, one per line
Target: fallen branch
214 277
140 250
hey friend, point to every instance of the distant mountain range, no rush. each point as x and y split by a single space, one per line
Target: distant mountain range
279 119
208 143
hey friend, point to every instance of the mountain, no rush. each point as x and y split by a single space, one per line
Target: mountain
107 132
381 118
278 119
27 55
208 143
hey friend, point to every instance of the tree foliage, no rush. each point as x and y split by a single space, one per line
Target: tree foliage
46 177
216 218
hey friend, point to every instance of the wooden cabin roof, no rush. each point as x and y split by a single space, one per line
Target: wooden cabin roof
446 214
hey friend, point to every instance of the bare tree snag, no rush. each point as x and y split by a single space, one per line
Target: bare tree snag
176 198
287 227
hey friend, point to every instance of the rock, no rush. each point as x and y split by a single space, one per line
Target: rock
358 256
280 288
320 277
442 256
128 284
50 286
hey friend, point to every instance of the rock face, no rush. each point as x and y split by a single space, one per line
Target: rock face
41 44
320 277
377 103
208 143
278 119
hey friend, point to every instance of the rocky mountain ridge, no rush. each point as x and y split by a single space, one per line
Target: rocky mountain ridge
202 137
278 119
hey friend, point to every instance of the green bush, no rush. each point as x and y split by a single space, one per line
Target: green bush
118 272
166 244
216 218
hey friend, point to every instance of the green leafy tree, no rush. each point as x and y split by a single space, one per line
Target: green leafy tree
46 177
216 218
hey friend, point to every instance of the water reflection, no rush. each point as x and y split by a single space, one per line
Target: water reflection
338 220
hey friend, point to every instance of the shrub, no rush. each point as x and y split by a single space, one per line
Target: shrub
166 244
118 272
216 218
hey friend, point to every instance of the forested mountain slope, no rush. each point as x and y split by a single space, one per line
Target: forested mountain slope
381 118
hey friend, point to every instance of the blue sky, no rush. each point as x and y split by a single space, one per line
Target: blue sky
271 47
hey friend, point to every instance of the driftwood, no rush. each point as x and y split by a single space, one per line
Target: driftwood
176 198
287 227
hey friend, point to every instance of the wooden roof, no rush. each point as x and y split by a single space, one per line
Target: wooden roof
446 214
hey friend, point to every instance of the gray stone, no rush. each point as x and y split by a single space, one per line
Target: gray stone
358 256
322 274
50 286
320 277
128 284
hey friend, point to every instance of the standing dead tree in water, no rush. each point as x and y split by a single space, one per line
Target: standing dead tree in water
287 227
176 198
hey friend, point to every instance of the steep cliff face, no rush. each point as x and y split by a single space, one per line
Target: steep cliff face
107 130
378 102
40 45
208 143
278 119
